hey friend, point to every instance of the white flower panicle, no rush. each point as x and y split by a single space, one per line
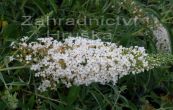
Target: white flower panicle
81 61
163 42
160 33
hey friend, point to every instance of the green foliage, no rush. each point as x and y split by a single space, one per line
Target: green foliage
148 90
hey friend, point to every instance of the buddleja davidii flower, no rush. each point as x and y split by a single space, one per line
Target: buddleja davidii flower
81 61
137 10
29 52
22 52
160 33
137 58
157 60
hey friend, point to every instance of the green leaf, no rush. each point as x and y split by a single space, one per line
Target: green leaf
11 32
53 4
73 94
2 105
53 105
31 102
2 79
41 6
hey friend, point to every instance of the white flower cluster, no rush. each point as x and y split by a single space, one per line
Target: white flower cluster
163 42
160 33
81 61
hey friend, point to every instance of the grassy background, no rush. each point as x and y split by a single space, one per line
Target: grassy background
148 91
